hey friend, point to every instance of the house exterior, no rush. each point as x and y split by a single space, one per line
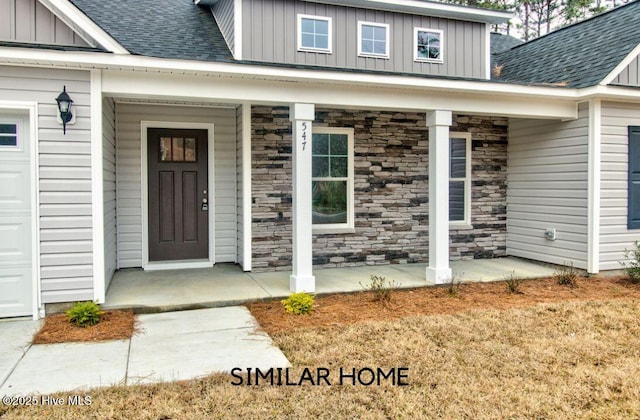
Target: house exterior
293 135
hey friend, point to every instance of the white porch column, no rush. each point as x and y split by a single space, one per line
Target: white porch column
438 123
302 279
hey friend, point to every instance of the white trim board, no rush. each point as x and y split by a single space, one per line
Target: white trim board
593 185
144 188
246 187
86 28
97 189
30 111
621 66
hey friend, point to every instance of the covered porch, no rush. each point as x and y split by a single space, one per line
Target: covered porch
227 284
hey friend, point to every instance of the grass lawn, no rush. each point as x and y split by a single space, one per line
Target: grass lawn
565 359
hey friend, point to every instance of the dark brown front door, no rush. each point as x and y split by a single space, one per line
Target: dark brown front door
178 214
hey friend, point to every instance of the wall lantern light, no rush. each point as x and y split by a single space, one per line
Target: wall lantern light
64 107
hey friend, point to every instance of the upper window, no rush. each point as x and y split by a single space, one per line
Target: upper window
427 45
8 135
314 33
460 178
373 39
332 179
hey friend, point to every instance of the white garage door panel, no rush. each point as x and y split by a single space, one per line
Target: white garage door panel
16 278
15 246
14 182
15 299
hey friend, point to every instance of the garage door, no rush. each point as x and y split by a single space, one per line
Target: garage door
15 217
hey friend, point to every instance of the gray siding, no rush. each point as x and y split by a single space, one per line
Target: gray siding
129 214
109 186
223 13
630 75
547 188
614 235
269 34
241 192
66 260
30 21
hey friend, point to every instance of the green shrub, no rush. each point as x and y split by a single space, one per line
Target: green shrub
298 303
632 263
513 283
381 288
84 314
566 275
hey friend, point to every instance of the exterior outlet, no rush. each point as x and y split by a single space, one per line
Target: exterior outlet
550 234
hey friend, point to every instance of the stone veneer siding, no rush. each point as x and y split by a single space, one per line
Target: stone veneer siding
391 189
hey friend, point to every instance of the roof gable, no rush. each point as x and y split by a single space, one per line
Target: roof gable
576 56
176 29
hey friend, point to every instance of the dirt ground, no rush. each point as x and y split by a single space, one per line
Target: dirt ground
113 325
344 309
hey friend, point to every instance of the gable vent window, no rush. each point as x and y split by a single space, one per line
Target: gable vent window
427 45
8 135
314 33
633 204
373 39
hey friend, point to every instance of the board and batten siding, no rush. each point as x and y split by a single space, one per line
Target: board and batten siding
30 21
66 251
630 75
270 34
129 213
223 14
547 188
109 187
614 235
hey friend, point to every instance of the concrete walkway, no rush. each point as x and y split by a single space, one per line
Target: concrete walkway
170 346
227 284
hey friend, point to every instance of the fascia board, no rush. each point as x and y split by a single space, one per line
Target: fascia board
427 8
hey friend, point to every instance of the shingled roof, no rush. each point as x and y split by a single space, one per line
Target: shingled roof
577 56
501 42
160 28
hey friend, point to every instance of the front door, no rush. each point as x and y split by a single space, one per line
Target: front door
178 194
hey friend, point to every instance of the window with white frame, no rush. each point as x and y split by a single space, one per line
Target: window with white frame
314 33
460 178
427 45
332 179
8 135
373 39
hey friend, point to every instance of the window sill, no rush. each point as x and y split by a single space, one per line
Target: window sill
312 50
424 60
383 56
460 226
330 231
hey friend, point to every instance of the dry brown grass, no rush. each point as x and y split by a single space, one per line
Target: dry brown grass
113 325
574 359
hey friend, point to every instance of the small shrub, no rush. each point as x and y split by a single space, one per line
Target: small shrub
298 303
381 288
632 262
513 283
84 314
566 275
453 286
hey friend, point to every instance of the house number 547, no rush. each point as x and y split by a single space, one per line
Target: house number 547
305 129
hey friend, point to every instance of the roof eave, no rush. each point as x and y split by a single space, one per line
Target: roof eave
427 8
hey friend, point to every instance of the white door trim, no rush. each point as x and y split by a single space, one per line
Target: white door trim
146 265
32 109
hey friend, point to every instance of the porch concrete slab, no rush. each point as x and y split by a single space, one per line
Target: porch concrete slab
48 368
16 339
191 344
154 291
499 269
